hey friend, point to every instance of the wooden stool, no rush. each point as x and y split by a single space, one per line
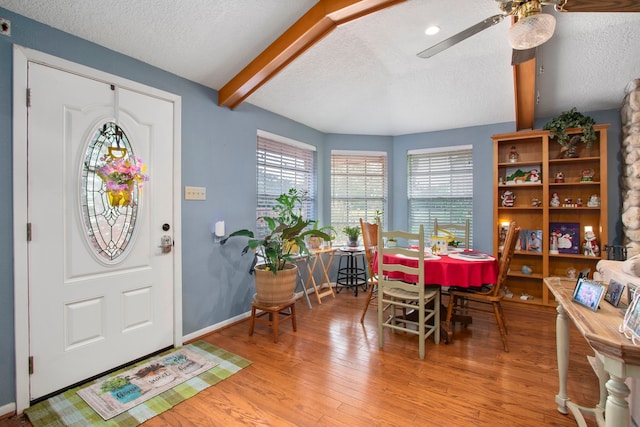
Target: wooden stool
274 313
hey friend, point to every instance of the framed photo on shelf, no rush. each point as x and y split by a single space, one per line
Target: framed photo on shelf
532 239
589 293
531 174
630 326
614 292
567 235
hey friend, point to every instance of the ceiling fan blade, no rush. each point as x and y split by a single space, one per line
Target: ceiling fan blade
457 38
601 6
518 56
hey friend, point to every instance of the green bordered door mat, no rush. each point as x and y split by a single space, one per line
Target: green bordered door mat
137 393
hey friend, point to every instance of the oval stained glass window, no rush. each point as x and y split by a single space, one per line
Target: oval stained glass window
109 206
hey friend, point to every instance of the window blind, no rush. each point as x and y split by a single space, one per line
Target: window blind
358 188
281 166
440 185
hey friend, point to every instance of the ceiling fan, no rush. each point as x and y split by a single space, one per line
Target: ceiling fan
531 29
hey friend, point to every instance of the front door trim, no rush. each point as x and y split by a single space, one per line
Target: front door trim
21 57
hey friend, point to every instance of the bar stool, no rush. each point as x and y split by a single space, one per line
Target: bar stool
352 272
274 312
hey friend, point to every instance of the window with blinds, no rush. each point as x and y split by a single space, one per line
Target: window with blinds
358 188
283 164
440 185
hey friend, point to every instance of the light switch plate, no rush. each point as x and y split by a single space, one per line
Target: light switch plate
195 193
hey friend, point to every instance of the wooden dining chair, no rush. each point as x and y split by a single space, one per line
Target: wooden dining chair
461 232
370 242
397 296
462 301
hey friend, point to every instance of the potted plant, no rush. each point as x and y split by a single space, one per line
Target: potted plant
571 119
315 242
352 233
276 274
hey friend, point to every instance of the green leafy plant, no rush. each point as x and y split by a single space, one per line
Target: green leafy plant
571 119
287 230
352 232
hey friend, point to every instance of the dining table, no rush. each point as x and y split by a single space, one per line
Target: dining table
464 269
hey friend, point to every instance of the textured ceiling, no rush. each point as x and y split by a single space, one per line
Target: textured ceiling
364 77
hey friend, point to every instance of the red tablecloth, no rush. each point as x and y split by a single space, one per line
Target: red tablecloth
446 271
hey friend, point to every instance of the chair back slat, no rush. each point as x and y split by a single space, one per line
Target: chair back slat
370 242
507 253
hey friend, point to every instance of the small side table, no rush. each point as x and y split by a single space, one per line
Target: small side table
320 289
353 272
274 313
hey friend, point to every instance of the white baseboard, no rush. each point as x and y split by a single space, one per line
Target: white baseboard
8 409
204 331
212 328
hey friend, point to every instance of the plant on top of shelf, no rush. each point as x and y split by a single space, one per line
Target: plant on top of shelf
571 119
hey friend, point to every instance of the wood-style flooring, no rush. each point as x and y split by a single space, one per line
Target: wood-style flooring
332 373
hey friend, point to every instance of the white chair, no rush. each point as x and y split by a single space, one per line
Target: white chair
458 232
397 295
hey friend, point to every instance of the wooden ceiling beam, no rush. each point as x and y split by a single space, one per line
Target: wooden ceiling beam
319 21
602 6
524 82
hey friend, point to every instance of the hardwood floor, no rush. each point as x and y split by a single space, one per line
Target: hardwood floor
332 373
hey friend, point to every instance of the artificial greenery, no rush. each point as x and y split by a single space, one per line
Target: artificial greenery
287 229
571 119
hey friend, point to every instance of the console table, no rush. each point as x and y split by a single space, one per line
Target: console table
616 358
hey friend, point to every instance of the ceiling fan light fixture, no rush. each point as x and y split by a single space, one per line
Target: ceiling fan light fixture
532 31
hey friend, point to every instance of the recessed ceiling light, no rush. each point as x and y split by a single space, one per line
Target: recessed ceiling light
434 29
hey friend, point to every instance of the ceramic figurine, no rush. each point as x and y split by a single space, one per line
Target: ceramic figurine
535 202
553 243
579 202
590 246
559 177
555 200
507 198
594 201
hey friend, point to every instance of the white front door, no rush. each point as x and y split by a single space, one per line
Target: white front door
88 312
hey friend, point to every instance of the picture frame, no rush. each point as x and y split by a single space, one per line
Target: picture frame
567 235
630 326
614 292
523 175
589 294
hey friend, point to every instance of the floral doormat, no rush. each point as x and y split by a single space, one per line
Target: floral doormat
135 394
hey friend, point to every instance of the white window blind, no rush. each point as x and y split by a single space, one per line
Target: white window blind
358 188
440 186
281 166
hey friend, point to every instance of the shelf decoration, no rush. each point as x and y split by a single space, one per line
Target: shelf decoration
590 245
524 175
120 173
513 155
567 235
531 240
508 198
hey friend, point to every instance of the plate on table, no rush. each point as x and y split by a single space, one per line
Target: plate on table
472 256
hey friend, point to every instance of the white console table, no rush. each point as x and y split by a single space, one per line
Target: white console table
616 358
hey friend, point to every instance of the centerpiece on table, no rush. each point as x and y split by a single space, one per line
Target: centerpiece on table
120 173
275 275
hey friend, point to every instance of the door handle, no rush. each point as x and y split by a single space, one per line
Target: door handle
166 243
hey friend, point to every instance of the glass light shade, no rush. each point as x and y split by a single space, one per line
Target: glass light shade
532 31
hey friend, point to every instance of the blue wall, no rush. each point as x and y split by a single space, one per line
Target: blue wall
218 152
